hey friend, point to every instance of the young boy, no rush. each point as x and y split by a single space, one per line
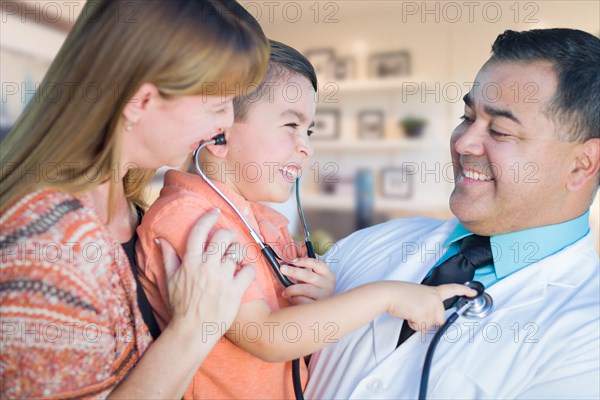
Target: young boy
265 152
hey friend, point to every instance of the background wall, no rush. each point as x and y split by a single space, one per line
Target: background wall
446 41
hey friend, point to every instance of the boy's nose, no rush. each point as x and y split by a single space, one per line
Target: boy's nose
304 147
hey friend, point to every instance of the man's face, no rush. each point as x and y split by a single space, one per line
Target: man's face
510 167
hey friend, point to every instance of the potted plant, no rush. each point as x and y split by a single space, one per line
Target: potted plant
413 126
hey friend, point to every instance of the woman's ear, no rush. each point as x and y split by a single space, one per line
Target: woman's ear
586 166
139 102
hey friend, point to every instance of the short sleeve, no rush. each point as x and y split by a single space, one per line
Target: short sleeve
172 220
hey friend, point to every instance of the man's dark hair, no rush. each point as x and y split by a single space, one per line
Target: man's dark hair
575 56
283 62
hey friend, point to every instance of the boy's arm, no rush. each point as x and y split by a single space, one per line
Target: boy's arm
293 332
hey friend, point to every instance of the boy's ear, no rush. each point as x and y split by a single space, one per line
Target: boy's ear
218 150
586 166
138 103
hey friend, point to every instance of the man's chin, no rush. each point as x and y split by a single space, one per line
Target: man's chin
476 219
464 208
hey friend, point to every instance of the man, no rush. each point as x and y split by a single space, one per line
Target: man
526 162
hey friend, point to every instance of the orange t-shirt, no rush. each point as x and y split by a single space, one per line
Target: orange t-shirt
229 371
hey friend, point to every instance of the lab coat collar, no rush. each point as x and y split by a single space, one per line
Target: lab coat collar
529 285
515 250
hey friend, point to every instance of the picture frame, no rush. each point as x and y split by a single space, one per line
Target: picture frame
371 124
327 121
390 64
396 183
343 68
322 61
21 71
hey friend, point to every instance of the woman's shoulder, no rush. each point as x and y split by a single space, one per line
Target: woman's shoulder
47 215
55 247
49 229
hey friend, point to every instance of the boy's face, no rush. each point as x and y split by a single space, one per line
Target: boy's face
270 147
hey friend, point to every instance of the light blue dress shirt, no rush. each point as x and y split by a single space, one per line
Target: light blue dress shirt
516 250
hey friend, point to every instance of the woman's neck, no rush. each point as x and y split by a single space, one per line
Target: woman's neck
124 221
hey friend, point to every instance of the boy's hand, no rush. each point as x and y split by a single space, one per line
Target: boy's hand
422 306
315 280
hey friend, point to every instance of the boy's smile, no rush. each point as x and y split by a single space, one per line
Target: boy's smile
290 172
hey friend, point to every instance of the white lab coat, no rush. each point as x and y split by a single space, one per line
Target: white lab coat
541 341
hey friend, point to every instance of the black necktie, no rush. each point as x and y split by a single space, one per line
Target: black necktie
475 252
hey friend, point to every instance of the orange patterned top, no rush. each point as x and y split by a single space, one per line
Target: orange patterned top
70 326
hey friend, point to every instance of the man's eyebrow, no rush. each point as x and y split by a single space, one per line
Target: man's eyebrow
494 112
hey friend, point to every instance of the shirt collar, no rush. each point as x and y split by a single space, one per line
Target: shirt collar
265 220
515 250
197 184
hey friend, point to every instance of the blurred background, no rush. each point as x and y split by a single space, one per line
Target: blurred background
392 75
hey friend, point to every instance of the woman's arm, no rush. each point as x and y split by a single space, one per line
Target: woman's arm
300 330
205 296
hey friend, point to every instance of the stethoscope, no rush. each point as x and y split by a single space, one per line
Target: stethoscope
478 306
266 250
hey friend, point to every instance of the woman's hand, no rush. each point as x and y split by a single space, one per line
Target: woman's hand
315 280
204 293
420 305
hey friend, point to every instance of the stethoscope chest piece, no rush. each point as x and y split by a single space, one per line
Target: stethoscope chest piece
480 307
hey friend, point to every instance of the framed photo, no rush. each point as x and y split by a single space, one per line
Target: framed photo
322 61
384 65
327 123
343 68
371 124
396 183
22 72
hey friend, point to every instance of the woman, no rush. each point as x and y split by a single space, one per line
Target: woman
141 84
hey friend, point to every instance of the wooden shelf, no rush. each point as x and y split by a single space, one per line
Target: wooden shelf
366 85
347 203
376 145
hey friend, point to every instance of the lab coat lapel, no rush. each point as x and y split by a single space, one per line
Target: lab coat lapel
529 285
411 263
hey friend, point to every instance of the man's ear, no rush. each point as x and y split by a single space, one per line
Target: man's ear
586 166
138 103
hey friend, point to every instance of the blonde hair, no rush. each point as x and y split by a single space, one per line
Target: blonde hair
72 126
